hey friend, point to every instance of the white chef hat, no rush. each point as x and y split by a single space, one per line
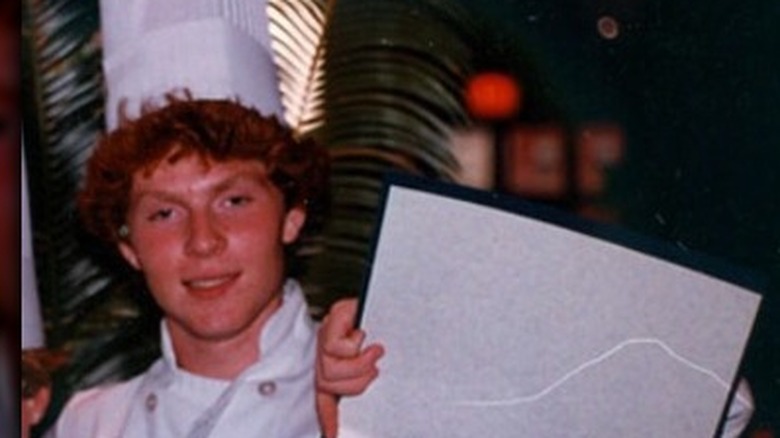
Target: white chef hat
213 48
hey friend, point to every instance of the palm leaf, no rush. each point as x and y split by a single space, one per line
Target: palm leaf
89 311
297 31
394 72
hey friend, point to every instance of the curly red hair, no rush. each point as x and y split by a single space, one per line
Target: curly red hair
217 130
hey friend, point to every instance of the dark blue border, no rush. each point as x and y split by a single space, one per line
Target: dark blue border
715 267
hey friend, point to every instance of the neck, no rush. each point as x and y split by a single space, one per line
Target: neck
224 357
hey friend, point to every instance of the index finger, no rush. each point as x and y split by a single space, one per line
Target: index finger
337 333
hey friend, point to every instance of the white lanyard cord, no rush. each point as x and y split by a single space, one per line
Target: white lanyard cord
203 425
208 419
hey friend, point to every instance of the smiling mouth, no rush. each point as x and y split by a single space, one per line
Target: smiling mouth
210 286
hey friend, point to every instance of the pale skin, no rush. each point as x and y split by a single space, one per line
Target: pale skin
344 365
196 231
33 408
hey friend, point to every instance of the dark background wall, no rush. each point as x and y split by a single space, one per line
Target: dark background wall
695 85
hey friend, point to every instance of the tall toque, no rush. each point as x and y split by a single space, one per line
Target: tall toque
214 48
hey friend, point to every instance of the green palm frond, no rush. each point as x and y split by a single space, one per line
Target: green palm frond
60 59
297 31
89 310
394 75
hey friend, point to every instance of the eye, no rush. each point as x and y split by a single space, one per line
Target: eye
160 215
237 200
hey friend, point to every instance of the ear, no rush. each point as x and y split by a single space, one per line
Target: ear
36 405
293 223
129 254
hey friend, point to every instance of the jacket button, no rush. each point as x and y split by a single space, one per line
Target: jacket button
266 388
151 402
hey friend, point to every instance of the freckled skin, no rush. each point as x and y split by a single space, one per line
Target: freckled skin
209 239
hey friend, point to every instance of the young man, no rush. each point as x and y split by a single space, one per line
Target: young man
203 198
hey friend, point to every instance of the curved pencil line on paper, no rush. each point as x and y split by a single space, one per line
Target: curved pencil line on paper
595 361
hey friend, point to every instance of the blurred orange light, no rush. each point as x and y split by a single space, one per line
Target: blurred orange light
493 95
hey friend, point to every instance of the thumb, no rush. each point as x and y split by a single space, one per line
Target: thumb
328 414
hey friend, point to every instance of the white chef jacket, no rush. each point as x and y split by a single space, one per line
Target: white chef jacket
273 398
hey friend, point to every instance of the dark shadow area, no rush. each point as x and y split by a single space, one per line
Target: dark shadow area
694 87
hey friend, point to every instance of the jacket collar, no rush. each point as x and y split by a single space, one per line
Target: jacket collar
287 342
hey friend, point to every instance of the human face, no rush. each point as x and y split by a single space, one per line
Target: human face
209 238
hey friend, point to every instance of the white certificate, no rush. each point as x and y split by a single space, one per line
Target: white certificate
504 319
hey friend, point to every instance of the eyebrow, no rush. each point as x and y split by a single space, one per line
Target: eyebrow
219 187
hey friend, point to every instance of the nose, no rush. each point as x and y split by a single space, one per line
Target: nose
205 237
